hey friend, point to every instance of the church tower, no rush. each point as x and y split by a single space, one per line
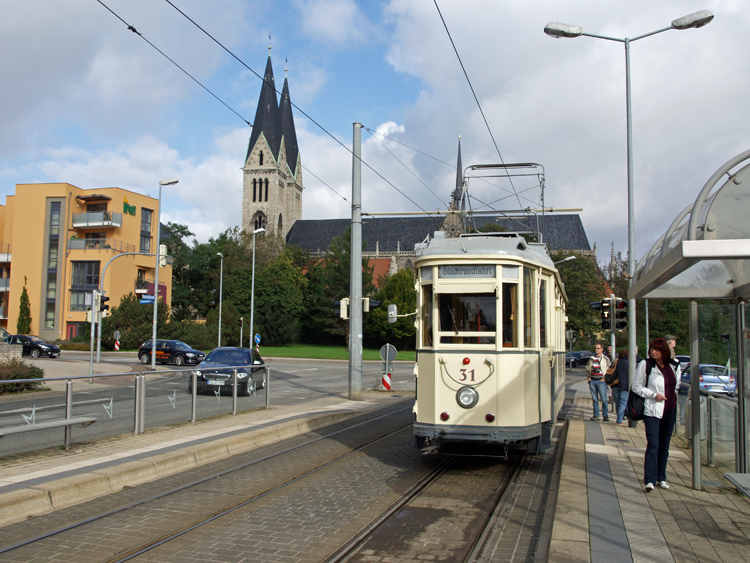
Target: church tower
272 184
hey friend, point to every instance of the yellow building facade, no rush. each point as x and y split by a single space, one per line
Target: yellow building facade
62 242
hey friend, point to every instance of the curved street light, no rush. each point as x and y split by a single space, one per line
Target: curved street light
221 290
252 289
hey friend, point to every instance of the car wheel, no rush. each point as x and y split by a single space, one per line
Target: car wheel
179 360
35 353
145 358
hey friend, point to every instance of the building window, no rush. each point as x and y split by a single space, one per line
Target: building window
261 158
52 256
266 189
146 219
255 189
51 285
49 315
85 275
259 220
54 219
80 300
281 224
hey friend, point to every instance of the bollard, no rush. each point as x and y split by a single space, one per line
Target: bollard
387 381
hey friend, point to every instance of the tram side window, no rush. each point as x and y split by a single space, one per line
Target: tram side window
543 314
462 313
528 309
510 315
426 315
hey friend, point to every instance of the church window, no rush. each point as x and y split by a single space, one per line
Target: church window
261 158
255 187
281 223
266 189
259 221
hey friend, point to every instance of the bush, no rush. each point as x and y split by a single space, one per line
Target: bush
15 368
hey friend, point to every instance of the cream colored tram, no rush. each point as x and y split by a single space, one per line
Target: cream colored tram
490 340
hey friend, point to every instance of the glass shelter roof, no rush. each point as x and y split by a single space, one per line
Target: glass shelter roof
703 254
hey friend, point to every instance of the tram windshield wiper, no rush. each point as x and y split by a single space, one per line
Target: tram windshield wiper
453 318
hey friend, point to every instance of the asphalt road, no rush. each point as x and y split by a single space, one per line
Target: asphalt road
111 399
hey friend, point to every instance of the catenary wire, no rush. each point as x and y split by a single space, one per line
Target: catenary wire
331 135
476 99
139 34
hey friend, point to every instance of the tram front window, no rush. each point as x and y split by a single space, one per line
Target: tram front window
471 318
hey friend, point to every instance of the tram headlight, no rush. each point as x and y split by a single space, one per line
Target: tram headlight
467 397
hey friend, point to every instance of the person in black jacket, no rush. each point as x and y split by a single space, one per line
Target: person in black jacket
621 389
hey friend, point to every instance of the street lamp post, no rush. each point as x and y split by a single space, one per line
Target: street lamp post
221 290
169 182
557 30
252 289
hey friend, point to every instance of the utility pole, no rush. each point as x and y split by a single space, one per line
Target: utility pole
355 281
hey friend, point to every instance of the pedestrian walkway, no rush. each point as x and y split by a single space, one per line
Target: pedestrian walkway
43 481
604 515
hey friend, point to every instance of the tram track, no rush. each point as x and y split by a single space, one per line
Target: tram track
226 510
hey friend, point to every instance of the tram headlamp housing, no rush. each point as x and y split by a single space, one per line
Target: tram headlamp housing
467 397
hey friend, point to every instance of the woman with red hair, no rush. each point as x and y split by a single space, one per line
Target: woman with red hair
660 409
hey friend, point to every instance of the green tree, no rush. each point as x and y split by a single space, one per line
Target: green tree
584 284
23 324
398 289
134 321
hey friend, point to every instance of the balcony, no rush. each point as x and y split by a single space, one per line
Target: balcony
146 287
3 313
97 219
4 253
4 284
100 244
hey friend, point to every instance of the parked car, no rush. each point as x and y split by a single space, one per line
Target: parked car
684 362
578 358
34 346
714 378
170 352
216 371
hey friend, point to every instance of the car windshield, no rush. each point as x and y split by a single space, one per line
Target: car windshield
231 357
35 339
180 345
713 370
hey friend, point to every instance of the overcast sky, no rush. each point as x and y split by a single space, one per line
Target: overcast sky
86 101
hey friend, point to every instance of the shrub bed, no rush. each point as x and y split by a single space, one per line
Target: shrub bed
15 368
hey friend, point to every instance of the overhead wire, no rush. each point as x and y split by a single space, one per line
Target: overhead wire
331 135
476 99
199 83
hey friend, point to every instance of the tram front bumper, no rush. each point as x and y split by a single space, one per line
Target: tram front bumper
481 434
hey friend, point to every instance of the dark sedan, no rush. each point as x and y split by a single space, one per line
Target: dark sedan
34 346
170 352
215 373
577 358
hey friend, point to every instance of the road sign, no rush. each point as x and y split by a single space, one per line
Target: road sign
117 335
147 300
257 338
388 352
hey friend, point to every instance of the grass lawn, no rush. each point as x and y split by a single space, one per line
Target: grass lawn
326 352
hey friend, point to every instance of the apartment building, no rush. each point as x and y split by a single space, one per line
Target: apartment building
60 242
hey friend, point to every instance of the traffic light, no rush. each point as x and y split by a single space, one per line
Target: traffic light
103 307
97 297
621 314
240 322
344 308
606 310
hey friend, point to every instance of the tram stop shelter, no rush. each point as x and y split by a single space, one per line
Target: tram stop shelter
704 255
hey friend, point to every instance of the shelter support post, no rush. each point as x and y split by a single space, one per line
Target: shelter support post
741 434
695 396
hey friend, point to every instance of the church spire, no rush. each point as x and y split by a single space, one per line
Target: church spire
267 120
459 199
288 131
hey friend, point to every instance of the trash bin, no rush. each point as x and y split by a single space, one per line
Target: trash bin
689 418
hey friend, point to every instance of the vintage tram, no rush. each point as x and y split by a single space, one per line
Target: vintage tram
491 342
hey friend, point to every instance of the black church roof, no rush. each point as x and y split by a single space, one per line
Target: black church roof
287 129
267 118
560 232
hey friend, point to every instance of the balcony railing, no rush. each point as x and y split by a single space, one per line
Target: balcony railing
5 252
97 219
3 313
145 286
100 244
4 284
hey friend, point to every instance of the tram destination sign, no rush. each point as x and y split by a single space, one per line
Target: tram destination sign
468 271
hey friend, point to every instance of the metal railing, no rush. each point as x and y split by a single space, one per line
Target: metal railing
139 408
718 429
100 244
97 219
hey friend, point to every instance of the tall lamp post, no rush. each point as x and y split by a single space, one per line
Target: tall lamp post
221 290
169 182
557 30
252 289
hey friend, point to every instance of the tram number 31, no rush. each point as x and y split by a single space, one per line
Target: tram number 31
467 373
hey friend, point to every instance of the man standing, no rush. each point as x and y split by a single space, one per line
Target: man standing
671 342
596 367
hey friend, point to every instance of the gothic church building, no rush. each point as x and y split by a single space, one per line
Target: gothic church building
272 184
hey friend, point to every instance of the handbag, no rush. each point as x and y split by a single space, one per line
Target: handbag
636 403
610 378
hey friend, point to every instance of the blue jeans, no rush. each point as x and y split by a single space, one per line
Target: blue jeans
658 435
620 402
598 387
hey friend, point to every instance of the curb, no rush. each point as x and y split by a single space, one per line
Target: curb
36 500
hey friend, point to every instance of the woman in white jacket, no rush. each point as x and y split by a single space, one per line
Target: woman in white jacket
660 409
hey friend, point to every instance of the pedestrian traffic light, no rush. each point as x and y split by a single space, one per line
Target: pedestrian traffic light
103 307
621 314
97 297
240 322
606 310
